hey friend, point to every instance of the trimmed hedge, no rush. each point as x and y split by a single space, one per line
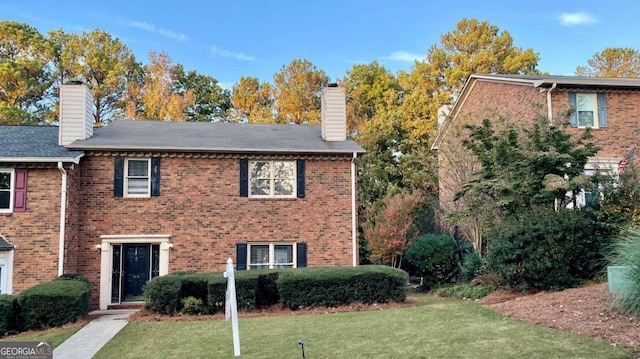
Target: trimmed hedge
291 287
8 313
334 286
54 303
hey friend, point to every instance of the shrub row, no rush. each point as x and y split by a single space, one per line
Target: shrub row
293 288
45 305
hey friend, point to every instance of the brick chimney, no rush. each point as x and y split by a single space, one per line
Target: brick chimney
76 113
334 113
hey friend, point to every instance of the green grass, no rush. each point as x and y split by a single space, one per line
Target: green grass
440 328
57 336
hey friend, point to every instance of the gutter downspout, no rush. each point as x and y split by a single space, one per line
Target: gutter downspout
549 108
354 212
63 216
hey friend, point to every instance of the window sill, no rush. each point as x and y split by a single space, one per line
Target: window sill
136 198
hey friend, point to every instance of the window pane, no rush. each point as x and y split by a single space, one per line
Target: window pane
284 187
5 180
260 170
585 119
259 255
283 169
585 102
138 168
260 187
283 255
5 196
138 186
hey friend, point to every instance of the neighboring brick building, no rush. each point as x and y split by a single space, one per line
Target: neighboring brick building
609 106
147 198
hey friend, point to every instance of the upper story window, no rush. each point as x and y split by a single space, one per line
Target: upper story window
137 178
6 190
589 110
13 190
272 178
586 110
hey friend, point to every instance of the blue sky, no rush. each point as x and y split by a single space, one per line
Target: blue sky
234 38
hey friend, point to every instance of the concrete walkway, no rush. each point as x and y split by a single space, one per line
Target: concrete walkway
87 341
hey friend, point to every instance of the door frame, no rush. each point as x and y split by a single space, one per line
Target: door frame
106 263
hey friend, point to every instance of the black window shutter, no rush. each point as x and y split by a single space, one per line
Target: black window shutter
574 107
244 177
241 256
301 255
118 177
300 178
155 176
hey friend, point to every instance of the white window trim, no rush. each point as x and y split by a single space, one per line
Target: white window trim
12 189
6 262
126 178
106 265
272 180
272 253
596 110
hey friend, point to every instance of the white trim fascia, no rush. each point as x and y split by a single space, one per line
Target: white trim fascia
75 160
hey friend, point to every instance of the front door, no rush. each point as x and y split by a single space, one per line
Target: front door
136 270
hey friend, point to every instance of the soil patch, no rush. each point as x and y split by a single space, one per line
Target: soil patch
586 310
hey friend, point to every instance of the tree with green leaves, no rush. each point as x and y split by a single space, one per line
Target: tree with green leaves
252 101
25 73
612 62
102 62
524 169
297 92
211 101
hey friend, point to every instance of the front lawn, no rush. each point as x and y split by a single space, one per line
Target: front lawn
440 328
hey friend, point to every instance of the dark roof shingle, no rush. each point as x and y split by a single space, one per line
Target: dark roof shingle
212 137
33 144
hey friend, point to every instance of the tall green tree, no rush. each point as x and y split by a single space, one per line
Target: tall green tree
252 101
612 62
370 89
102 62
25 73
297 91
211 101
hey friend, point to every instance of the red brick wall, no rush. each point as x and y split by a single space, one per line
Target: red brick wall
35 233
200 206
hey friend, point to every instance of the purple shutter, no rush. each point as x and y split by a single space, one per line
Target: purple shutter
20 191
244 177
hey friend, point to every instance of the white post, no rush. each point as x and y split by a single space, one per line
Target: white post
231 305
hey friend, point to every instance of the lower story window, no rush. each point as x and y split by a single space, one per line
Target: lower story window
271 255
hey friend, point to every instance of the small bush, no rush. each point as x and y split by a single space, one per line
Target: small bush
246 289
626 252
488 279
464 291
435 257
162 294
471 263
192 306
54 303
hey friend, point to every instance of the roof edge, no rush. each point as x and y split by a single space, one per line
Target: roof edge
75 160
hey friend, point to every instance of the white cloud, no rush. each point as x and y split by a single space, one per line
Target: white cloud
216 51
403 56
577 18
152 28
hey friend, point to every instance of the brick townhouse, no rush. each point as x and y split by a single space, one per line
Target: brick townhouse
137 199
609 106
